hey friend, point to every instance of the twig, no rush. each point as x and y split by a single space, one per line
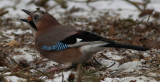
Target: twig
17 73
39 62
104 56
20 73
149 17
79 77
62 77
134 4
104 68
40 71
3 13
13 60
6 61
111 65
96 61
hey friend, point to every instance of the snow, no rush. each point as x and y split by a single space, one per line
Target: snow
25 55
126 67
15 79
129 79
108 63
59 76
2 68
130 66
113 55
18 31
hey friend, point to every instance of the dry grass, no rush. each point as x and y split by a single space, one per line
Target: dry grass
142 33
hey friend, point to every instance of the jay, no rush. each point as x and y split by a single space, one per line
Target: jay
65 44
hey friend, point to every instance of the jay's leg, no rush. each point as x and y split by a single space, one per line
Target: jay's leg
70 66
56 69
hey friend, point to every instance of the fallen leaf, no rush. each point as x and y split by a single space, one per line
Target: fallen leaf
13 43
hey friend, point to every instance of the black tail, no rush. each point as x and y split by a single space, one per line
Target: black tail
127 46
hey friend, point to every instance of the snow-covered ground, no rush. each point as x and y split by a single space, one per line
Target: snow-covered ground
114 7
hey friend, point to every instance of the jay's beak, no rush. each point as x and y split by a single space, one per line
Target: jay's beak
26 11
29 20
24 20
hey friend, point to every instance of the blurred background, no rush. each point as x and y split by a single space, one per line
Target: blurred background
130 21
134 9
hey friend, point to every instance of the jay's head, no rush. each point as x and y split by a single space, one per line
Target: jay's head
39 19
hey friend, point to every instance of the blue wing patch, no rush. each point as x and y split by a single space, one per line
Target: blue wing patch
57 47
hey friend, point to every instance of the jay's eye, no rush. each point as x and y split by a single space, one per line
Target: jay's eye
36 17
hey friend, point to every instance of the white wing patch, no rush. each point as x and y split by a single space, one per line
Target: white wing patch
92 48
79 39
